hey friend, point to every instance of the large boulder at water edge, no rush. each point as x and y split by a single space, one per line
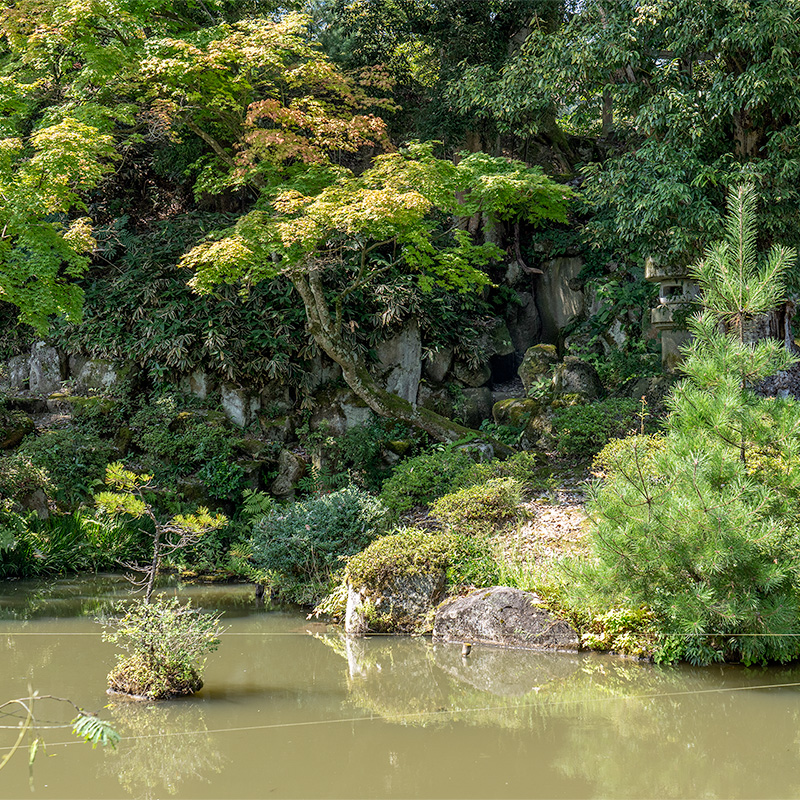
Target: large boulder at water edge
395 582
505 617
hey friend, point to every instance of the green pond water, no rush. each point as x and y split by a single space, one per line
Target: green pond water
292 708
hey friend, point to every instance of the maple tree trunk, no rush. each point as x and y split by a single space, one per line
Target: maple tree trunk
384 403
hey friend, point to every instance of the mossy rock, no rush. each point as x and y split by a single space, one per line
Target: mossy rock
137 679
399 447
14 427
568 400
539 360
576 376
482 508
394 584
256 448
515 411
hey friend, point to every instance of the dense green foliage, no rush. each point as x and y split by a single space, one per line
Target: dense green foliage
419 481
579 431
298 548
66 543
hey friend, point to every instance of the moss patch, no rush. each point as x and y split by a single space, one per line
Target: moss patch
405 553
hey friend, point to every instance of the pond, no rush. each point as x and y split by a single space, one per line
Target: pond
292 708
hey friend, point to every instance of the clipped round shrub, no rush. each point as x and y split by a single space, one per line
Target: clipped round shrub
407 552
421 480
303 544
481 508
527 467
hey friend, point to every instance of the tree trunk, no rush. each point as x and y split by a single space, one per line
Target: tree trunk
324 330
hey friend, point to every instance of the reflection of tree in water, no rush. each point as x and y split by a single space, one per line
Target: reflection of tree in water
628 728
163 745
643 730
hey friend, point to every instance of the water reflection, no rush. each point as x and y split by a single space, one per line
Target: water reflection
401 717
96 596
164 745
633 729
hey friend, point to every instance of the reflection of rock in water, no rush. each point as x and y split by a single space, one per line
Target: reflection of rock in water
162 746
505 673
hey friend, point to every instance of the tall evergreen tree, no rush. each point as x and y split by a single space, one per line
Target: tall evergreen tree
703 525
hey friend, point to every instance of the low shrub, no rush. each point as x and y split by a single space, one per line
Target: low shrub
420 480
579 431
177 440
635 452
166 643
20 477
301 546
472 561
527 467
481 508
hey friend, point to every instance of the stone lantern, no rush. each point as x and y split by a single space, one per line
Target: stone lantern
676 292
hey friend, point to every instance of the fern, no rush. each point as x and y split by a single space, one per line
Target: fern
95 730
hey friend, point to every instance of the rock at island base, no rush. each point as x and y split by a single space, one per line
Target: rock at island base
505 617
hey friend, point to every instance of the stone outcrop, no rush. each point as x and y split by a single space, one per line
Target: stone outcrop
399 364
472 377
398 606
539 360
290 469
505 617
558 296
239 407
438 364
524 324
45 374
477 406
577 377
94 373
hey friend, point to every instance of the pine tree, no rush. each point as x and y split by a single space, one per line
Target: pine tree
704 529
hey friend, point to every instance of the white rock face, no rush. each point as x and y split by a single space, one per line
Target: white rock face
239 407
98 374
16 373
45 375
400 363
558 302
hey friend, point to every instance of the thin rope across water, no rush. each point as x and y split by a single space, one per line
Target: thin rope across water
441 713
